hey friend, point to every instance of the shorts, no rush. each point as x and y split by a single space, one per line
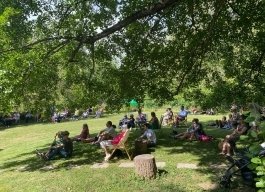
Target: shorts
106 143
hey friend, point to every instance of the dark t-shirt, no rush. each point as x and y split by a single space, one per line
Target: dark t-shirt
154 123
68 146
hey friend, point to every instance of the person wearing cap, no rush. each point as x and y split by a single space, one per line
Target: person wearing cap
148 136
63 147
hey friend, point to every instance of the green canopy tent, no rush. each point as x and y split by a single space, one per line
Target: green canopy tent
133 104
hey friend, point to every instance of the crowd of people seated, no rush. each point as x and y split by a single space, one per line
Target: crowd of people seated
107 138
77 114
15 118
224 123
126 122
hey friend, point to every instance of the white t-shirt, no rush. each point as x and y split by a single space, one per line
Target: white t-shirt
150 135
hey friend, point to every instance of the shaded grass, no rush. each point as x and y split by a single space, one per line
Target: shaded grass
21 170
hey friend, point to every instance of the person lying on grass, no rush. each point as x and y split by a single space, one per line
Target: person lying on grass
62 146
148 136
106 145
193 132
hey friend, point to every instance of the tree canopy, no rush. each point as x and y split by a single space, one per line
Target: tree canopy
81 52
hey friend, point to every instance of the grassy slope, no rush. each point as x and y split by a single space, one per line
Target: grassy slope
21 170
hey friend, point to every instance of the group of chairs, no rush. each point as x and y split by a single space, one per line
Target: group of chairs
122 145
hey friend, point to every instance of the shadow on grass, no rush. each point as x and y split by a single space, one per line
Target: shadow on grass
207 152
84 154
12 126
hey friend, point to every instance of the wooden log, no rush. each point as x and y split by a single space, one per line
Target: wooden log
145 166
140 147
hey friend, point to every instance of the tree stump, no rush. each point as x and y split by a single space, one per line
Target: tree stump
140 147
145 166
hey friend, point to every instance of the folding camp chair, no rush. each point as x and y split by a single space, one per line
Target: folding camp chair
122 144
183 122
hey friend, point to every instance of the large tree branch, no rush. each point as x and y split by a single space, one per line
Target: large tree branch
90 39
162 5
151 10
44 40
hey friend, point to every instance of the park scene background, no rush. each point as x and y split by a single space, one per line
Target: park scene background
64 55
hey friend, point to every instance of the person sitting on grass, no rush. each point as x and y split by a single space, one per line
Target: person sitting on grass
131 122
63 146
229 143
140 119
165 117
106 134
148 136
83 135
229 123
108 144
235 116
99 113
193 132
221 123
124 121
154 122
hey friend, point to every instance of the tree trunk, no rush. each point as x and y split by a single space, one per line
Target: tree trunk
145 166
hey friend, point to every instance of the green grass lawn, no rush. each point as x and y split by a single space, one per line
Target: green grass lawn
21 170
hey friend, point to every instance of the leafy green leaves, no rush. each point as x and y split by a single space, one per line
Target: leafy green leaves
211 52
